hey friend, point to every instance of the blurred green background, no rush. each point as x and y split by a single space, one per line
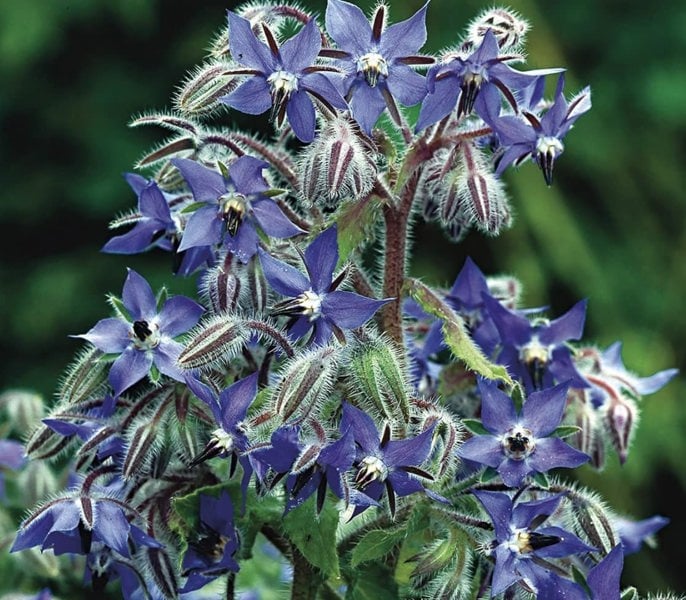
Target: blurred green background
611 229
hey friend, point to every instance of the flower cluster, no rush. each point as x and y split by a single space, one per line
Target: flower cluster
364 411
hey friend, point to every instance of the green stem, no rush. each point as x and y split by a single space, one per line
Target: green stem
306 580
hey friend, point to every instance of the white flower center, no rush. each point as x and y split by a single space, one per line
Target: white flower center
145 335
372 66
534 351
549 146
222 439
310 304
371 468
282 83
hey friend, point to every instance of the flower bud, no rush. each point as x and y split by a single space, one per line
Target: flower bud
508 26
45 443
591 518
222 286
24 409
337 165
379 380
84 377
37 482
448 434
162 571
621 417
306 382
199 94
217 340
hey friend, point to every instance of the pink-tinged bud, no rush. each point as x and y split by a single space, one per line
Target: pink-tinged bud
621 418
506 289
222 286
468 193
338 165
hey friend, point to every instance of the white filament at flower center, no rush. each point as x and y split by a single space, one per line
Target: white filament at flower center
371 468
372 66
534 351
222 440
549 146
282 83
310 304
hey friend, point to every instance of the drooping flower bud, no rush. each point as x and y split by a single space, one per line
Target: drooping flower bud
24 408
621 418
337 165
217 340
468 192
222 285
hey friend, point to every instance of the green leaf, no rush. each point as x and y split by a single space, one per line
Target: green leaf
162 297
315 536
372 582
455 333
155 376
375 544
191 207
630 593
564 431
355 222
475 426
541 480
274 192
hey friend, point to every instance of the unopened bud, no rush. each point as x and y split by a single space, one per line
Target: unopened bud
218 340
592 519
199 94
162 571
222 286
507 25
306 382
84 377
379 380
337 166
139 451
620 420
506 289
448 434
45 443
24 409
36 481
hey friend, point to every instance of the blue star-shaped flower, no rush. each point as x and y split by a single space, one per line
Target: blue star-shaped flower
210 555
229 409
518 445
520 544
539 138
231 206
314 300
281 78
153 224
476 80
383 464
72 523
376 61
535 352
147 338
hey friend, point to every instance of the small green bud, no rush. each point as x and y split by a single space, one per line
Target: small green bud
24 409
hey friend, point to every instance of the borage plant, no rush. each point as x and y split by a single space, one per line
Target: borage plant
389 438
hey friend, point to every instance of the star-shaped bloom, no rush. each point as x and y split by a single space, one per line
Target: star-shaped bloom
232 204
153 221
282 78
477 80
210 555
539 138
314 301
147 337
229 409
376 60
633 533
383 464
608 376
518 445
535 352
520 543
70 524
